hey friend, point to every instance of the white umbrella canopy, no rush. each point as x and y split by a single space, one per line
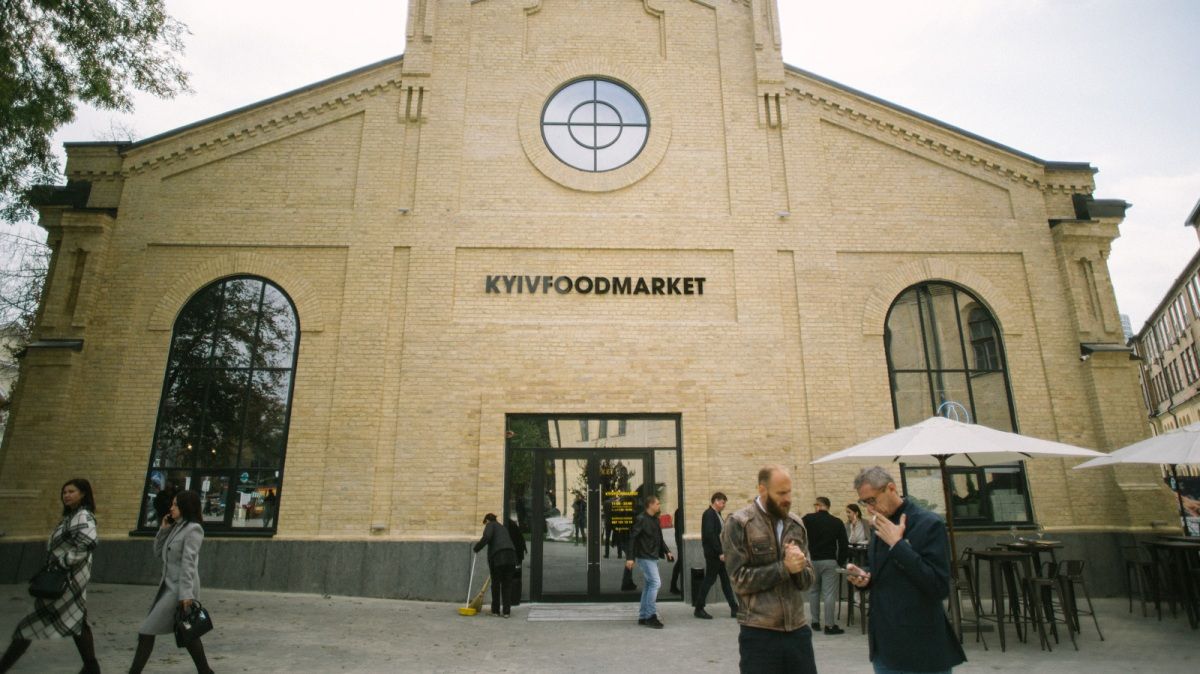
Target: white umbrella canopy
1181 445
939 441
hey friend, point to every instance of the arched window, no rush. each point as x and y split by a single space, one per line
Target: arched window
226 401
944 348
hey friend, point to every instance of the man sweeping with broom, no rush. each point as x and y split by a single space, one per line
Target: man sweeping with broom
502 562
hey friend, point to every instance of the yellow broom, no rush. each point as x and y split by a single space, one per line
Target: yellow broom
473 605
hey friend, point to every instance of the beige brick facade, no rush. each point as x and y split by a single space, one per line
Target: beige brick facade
380 200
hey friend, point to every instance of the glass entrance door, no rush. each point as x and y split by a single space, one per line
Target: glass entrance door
590 501
574 485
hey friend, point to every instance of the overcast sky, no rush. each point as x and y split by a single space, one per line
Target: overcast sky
1111 82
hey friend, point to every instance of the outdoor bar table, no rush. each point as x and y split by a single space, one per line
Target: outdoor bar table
1181 558
857 556
1036 547
996 560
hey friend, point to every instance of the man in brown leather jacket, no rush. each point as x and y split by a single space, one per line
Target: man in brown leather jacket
766 554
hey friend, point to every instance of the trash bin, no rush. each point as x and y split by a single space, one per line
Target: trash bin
697 581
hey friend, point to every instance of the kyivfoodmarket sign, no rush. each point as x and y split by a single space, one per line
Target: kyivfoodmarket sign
521 284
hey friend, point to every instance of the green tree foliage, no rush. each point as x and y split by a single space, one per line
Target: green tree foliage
56 54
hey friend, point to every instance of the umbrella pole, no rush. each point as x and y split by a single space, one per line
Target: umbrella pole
955 608
1179 497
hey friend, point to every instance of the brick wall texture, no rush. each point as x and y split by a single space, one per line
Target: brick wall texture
381 200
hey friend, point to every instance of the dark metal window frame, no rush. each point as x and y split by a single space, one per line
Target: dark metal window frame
232 472
646 453
595 79
933 373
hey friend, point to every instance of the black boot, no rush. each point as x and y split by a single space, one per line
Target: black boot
144 648
196 650
15 650
87 650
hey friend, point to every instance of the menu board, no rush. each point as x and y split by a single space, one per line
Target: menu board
622 506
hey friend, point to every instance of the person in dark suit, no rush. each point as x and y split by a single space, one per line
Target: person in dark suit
828 548
714 558
909 578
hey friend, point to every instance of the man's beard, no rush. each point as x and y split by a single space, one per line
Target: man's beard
776 509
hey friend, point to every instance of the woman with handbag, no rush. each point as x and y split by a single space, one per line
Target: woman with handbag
68 569
178 541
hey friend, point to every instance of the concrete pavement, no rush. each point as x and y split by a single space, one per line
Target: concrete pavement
272 632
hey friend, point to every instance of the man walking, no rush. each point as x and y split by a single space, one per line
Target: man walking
828 547
714 558
909 578
765 551
646 545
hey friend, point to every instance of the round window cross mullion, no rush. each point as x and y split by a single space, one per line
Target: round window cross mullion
595 125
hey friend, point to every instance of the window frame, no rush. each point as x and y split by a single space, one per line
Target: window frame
232 472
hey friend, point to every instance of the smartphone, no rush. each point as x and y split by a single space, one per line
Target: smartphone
170 520
848 572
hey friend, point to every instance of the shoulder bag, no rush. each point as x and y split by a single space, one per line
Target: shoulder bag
50 582
191 623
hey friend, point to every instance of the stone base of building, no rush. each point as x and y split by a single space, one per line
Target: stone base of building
434 570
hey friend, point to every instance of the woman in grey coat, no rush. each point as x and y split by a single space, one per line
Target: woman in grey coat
178 543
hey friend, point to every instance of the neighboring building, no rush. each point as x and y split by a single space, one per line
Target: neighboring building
1126 327
603 247
1167 347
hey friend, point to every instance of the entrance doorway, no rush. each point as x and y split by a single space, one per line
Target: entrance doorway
574 484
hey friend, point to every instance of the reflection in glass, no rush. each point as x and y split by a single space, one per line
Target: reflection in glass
226 397
564 547
943 333
257 500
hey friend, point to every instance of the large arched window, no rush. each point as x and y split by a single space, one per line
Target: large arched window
944 349
226 400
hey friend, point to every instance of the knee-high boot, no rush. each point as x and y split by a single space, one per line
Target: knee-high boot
87 650
142 655
196 650
15 650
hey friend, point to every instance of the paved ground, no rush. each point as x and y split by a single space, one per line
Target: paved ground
267 632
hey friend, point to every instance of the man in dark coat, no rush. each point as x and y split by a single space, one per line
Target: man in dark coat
714 558
909 578
646 545
502 561
828 547
519 547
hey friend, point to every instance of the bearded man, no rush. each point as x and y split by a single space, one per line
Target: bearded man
766 554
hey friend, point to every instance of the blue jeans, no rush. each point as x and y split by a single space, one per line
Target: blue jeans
650 584
881 668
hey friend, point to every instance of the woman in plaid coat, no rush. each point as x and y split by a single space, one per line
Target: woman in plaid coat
71 545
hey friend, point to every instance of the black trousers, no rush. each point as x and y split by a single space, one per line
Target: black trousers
713 569
770 652
502 584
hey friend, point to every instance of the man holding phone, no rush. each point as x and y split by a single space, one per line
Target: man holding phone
909 578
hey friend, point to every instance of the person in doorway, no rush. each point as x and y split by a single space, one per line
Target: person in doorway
714 558
828 548
856 529
677 568
519 548
579 518
177 543
909 578
71 545
765 548
502 561
647 546
268 513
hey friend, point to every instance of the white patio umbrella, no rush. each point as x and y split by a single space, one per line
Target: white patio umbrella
1180 446
943 442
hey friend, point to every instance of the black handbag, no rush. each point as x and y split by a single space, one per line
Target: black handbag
50 582
191 623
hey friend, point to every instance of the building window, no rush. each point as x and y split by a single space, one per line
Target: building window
225 407
583 430
595 125
944 349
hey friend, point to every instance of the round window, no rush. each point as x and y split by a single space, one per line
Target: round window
595 125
